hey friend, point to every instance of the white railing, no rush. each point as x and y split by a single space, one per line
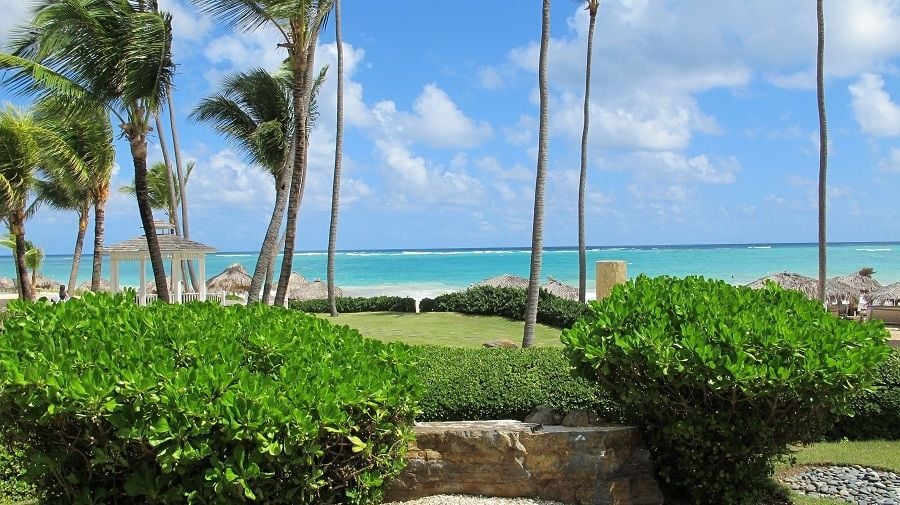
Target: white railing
185 298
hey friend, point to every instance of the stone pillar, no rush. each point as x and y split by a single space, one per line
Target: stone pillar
609 273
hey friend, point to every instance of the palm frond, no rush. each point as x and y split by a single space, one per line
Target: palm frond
246 15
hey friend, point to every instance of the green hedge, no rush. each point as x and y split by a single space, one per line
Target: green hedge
473 384
507 302
876 412
353 304
723 377
115 403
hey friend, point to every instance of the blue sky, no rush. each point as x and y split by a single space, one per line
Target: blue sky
703 126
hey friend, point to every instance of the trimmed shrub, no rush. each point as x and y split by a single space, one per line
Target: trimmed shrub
507 302
353 304
13 487
876 411
115 403
722 379
473 384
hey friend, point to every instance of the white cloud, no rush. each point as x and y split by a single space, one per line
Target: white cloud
224 179
241 50
187 22
670 166
876 114
490 78
436 120
892 162
15 14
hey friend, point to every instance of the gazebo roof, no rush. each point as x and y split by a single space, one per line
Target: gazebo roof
168 244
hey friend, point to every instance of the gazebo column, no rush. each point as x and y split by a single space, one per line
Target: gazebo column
114 273
142 290
202 264
176 279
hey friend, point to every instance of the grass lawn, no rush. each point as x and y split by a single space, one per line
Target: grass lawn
879 454
441 328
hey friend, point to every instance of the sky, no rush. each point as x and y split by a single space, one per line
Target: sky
704 126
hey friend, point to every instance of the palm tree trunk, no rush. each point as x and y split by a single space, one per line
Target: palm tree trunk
823 145
269 248
270 272
99 231
170 177
182 186
17 227
582 180
79 244
537 232
303 77
138 143
338 158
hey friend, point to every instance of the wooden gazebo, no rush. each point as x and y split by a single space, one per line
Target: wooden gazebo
173 248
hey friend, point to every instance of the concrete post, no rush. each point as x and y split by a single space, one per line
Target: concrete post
609 273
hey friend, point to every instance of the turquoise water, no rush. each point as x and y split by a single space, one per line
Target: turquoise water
428 272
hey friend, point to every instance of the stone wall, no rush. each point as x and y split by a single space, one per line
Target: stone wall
596 465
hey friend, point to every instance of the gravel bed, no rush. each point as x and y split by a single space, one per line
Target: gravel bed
855 484
445 499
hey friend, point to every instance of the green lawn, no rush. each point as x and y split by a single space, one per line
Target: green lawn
441 328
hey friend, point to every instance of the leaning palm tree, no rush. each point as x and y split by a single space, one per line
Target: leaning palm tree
592 7
19 160
823 144
68 194
253 111
115 53
299 23
89 135
537 232
158 189
338 158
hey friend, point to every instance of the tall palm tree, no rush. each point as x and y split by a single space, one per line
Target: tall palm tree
823 145
117 53
19 160
298 22
182 182
592 7
34 256
253 110
169 173
537 232
158 188
89 135
338 158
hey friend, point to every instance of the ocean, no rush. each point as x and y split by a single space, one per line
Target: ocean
420 273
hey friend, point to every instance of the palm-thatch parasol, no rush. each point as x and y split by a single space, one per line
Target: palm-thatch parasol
860 281
104 287
43 282
886 294
7 283
505 281
834 289
556 288
232 280
296 282
151 286
316 290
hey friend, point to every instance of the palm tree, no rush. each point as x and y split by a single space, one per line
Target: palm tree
298 22
158 188
89 135
116 53
823 145
537 232
19 160
34 256
66 193
182 181
253 110
592 7
338 157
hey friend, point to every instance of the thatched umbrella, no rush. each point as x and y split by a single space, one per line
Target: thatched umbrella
885 294
554 287
834 289
151 286
104 287
7 283
233 279
505 281
860 281
317 290
43 282
296 282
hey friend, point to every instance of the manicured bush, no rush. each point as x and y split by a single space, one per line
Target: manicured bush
472 384
875 411
722 379
352 304
115 403
507 302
